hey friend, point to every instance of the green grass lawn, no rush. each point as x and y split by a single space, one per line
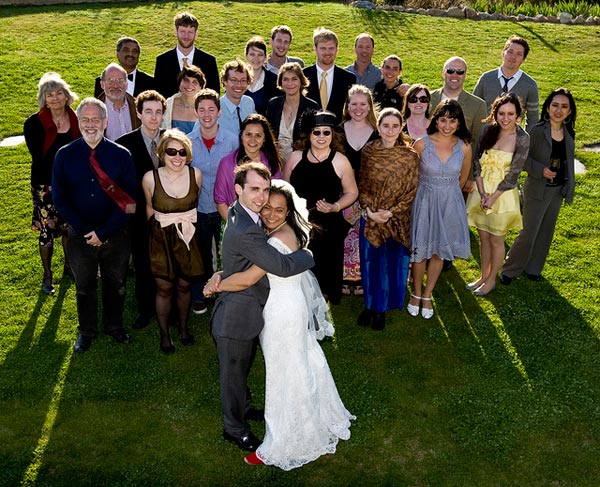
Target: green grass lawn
495 391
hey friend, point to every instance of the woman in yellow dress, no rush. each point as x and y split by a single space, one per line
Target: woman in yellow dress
494 208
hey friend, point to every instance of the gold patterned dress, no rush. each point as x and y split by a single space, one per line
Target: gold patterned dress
505 213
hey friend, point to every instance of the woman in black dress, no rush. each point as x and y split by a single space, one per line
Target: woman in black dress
46 131
324 177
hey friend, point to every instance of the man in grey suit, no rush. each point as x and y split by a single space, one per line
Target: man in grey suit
510 78
237 318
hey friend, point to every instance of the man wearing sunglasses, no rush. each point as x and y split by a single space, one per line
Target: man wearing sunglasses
510 78
474 109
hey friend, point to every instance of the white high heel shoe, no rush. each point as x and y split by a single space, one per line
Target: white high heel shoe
426 312
413 309
473 286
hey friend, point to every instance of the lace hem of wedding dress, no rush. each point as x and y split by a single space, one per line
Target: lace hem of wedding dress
340 431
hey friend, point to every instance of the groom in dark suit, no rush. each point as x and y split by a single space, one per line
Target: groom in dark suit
237 318
329 84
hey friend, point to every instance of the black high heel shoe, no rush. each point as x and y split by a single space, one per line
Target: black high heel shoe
47 286
167 349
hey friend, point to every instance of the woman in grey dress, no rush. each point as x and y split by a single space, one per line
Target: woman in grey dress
439 221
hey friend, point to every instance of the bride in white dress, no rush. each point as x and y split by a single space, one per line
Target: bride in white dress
304 415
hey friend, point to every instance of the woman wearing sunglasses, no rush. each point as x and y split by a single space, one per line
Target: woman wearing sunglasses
416 111
322 175
172 193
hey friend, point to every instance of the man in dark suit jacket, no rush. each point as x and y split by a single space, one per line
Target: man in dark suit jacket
142 142
128 54
170 63
237 317
338 81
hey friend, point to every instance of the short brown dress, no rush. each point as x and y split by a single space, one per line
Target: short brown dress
170 258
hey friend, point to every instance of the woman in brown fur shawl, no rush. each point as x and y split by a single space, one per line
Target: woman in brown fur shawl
387 185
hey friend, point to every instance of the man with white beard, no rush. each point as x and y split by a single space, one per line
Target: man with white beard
93 187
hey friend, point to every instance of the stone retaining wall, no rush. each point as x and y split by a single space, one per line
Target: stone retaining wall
469 13
453 12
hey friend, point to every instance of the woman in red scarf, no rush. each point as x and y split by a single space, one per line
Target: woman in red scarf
46 131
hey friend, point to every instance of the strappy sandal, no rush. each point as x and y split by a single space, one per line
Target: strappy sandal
413 309
426 312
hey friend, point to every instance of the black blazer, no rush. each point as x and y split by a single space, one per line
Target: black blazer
263 96
275 109
134 142
342 81
143 82
167 69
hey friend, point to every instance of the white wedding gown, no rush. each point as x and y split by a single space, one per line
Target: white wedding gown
304 415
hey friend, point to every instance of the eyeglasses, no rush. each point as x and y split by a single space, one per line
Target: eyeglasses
415 99
237 81
318 133
454 70
116 81
170 151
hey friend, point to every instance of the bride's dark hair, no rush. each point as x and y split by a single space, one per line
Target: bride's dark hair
293 218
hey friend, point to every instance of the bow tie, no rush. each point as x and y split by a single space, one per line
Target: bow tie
130 76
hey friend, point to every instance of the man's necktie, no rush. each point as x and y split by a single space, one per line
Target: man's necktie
185 62
505 87
237 110
323 90
153 154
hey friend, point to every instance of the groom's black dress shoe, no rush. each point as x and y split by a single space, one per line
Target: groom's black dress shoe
255 415
248 443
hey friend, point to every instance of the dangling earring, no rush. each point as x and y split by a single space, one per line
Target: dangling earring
567 120
546 117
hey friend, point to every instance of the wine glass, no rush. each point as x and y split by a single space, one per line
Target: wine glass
554 166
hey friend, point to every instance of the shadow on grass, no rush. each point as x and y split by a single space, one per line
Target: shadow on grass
28 377
528 401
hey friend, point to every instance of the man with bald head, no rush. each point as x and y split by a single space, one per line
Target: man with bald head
473 107
120 105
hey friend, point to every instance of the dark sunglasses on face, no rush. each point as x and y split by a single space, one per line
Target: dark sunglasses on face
318 133
415 99
170 151
454 70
